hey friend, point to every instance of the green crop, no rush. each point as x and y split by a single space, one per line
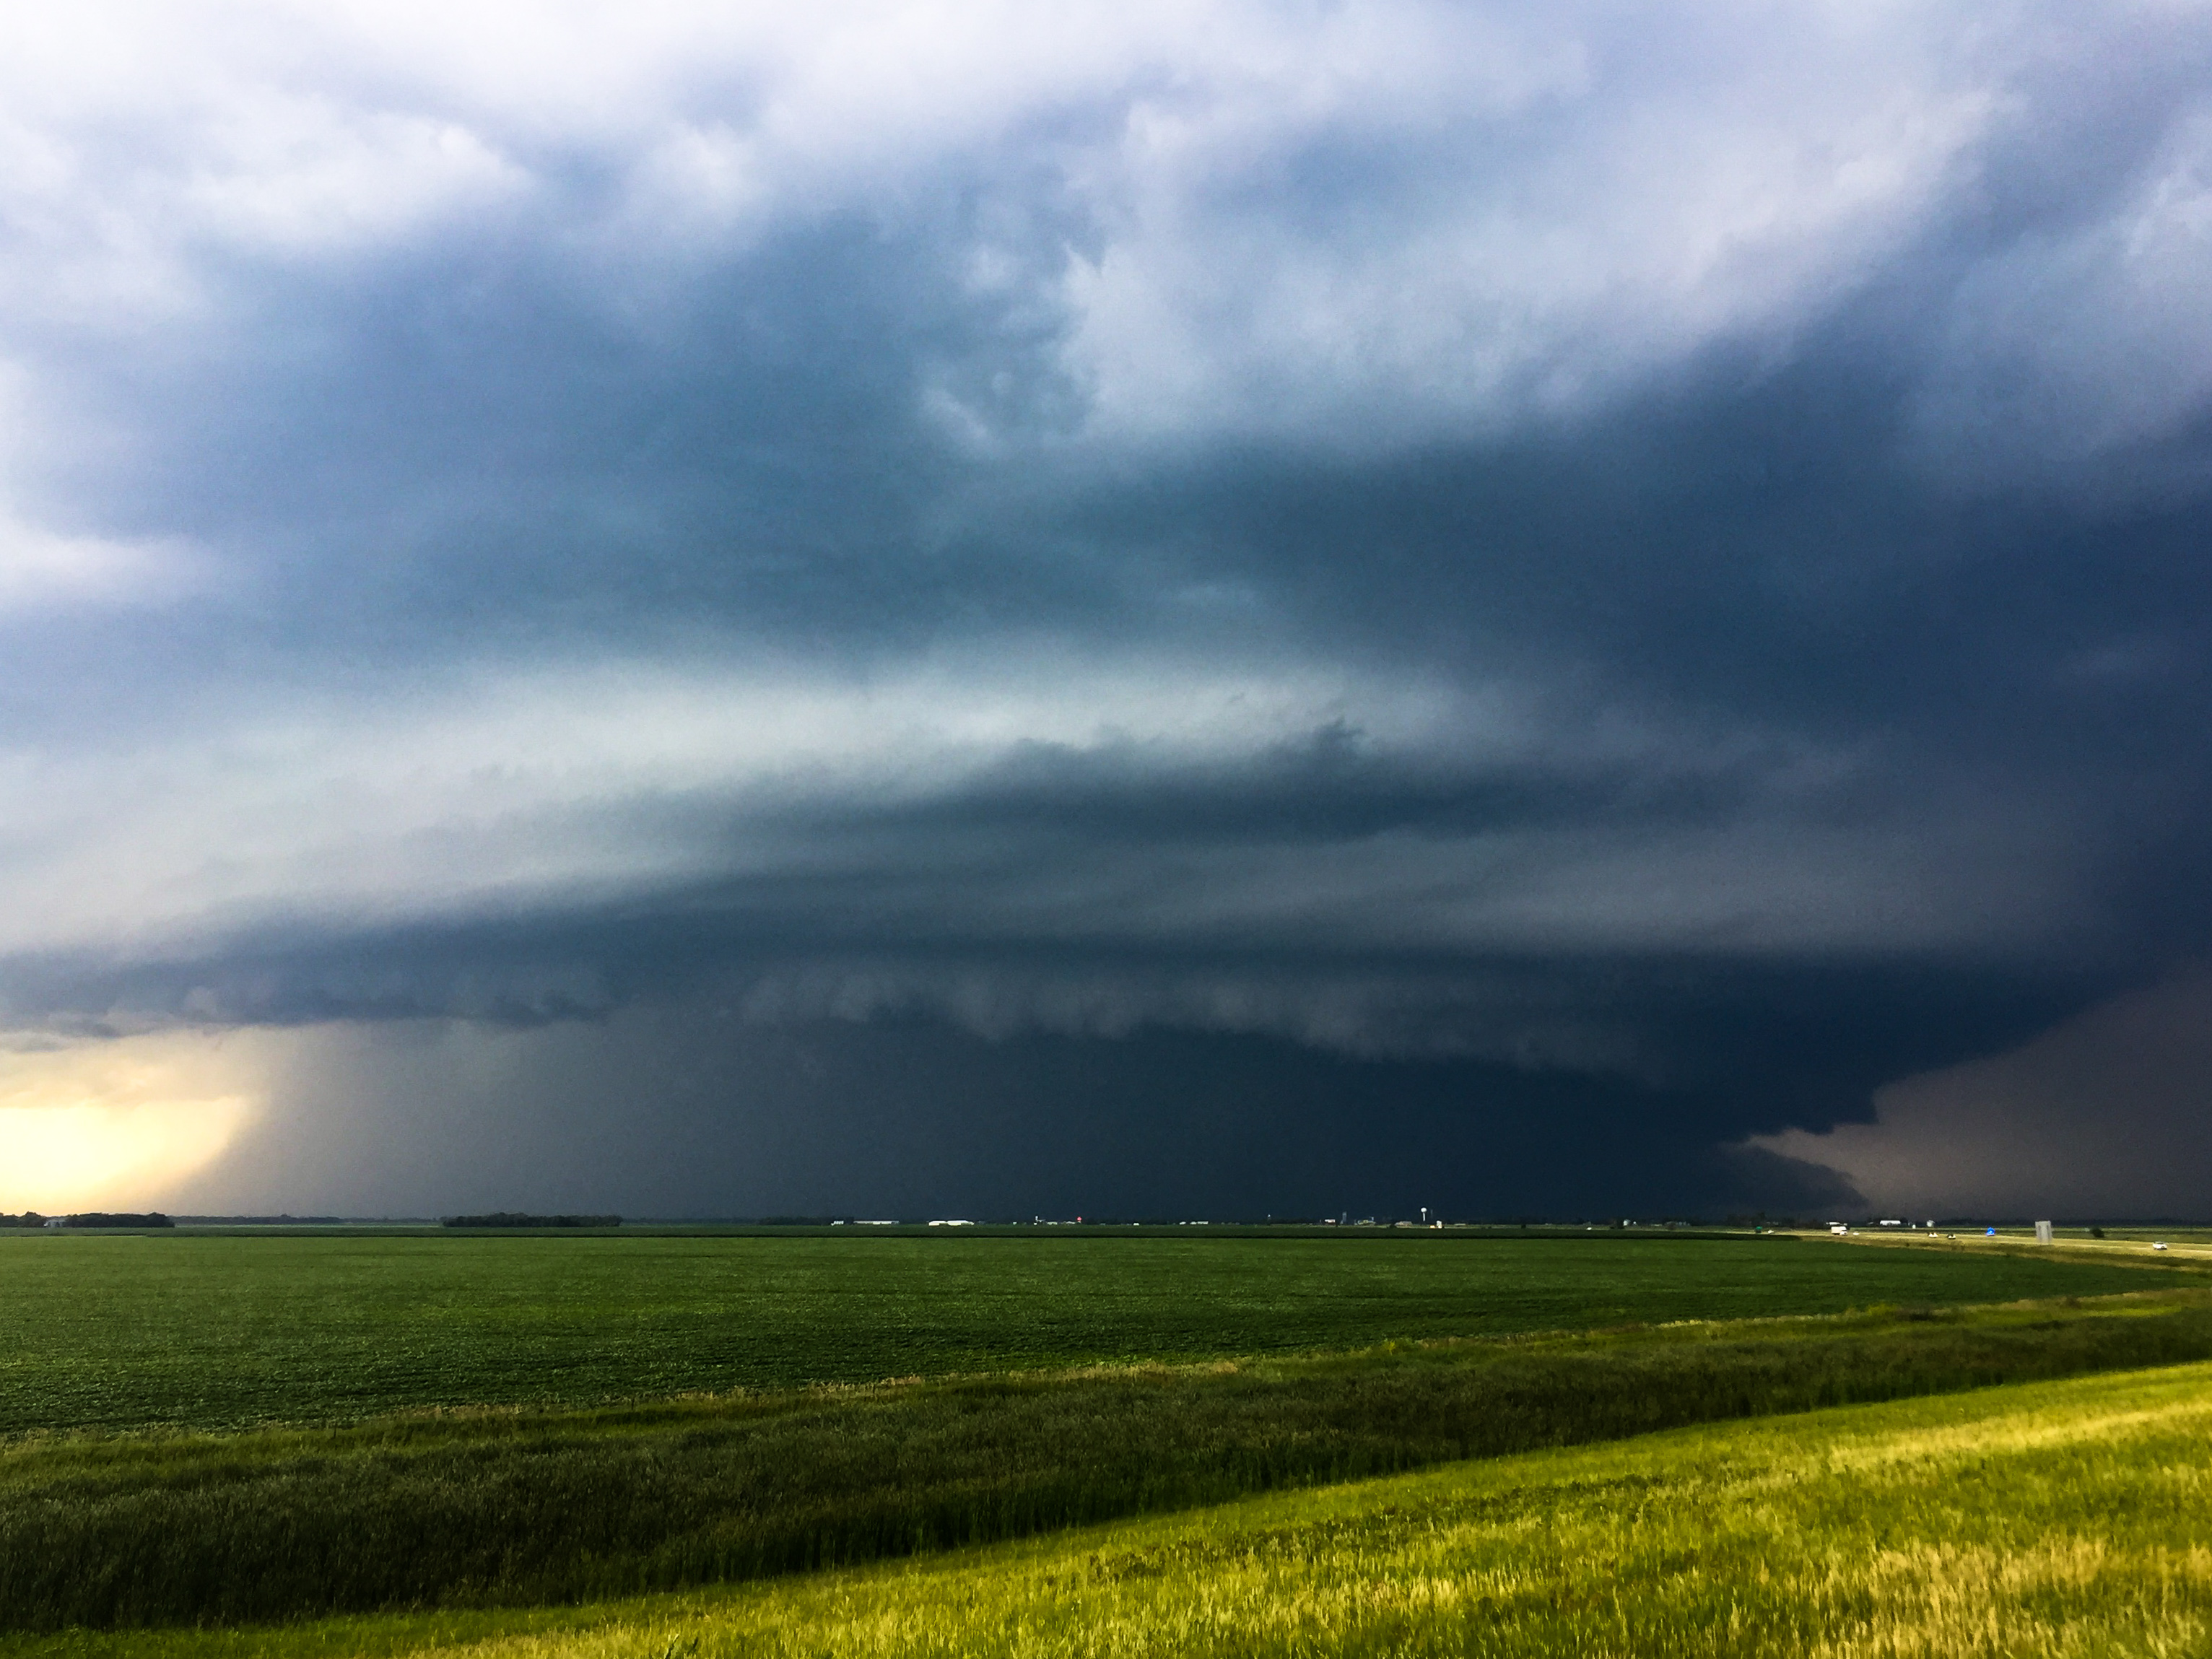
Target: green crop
212 1330
521 1507
2041 1522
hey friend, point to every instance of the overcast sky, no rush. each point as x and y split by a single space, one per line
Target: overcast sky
1126 608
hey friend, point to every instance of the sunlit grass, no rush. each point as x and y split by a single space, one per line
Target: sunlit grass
2050 1519
519 1508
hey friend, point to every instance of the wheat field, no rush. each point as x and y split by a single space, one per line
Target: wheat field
2068 1518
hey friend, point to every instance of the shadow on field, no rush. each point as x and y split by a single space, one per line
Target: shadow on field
511 1508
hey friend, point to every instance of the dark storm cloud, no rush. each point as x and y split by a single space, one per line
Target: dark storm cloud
1652 558
899 1118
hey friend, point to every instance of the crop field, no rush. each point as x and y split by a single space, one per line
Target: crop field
221 1330
666 1444
563 1506
2058 1519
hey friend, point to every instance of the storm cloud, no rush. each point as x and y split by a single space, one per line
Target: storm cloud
1565 592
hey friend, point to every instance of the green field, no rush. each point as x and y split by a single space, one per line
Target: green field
2047 1520
519 1507
221 1330
238 1435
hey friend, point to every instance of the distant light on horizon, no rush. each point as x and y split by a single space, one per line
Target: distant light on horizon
111 1124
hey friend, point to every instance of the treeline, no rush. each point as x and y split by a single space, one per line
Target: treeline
526 1507
517 1219
91 1219
266 1221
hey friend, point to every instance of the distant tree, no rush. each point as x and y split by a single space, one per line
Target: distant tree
519 1218
106 1218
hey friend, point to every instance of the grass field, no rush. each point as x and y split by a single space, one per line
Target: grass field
2050 1520
203 1429
218 1331
522 1507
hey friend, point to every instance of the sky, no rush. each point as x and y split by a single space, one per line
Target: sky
1112 609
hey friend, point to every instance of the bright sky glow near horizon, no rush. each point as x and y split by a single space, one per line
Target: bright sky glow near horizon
1133 609
114 1124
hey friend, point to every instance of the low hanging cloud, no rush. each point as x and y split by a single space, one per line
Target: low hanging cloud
2104 1116
692 1110
1265 810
